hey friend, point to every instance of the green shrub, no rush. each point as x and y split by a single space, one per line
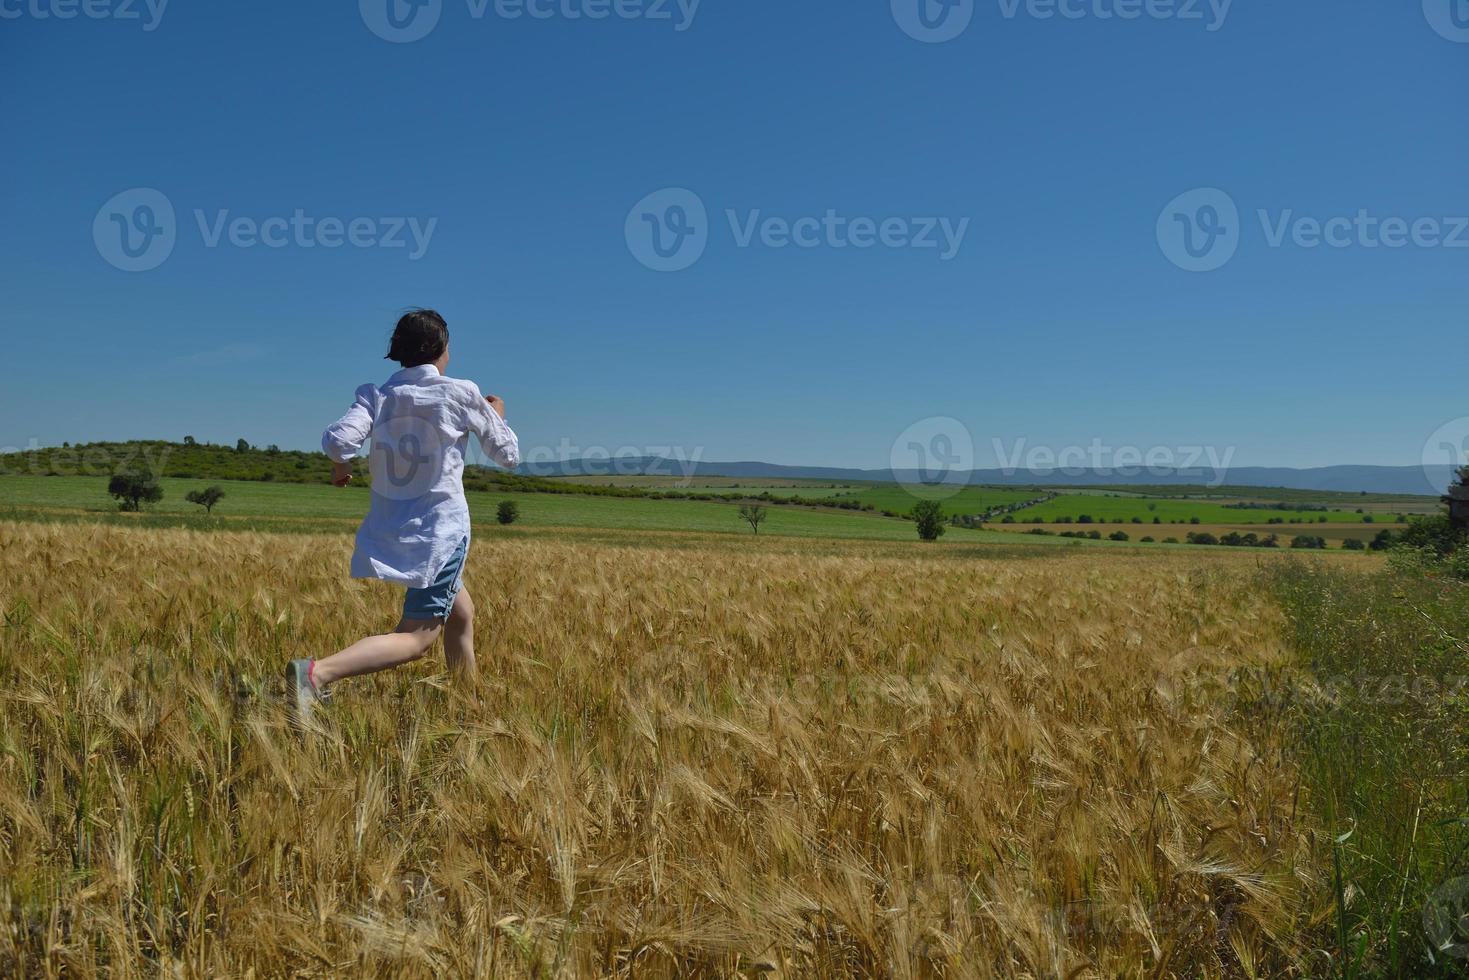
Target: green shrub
929 517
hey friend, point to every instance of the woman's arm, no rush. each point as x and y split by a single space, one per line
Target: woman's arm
486 420
345 437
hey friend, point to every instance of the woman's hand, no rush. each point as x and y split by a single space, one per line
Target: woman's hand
341 474
497 403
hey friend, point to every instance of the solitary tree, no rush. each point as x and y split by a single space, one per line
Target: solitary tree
507 512
1458 499
242 446
134 489
206 498
930 519
753 515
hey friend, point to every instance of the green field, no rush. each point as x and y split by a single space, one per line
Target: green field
968 500
755 483
1286 495
272 506
281 500
718 486
272 500
1174 511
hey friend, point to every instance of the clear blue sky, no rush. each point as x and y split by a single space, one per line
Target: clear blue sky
1060 140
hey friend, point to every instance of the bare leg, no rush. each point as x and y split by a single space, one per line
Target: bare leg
459 637
411 640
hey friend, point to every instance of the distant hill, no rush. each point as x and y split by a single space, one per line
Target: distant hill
1345 479
206 461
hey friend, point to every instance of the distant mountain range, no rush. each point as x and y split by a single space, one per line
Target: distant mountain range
1348 479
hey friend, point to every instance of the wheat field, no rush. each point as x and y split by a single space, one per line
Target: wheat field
721 759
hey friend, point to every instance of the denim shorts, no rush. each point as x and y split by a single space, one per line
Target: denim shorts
437 601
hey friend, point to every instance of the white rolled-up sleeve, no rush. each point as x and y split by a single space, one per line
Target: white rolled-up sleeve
495 437
345 437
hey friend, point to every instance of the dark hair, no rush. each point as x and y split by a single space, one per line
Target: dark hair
421 337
